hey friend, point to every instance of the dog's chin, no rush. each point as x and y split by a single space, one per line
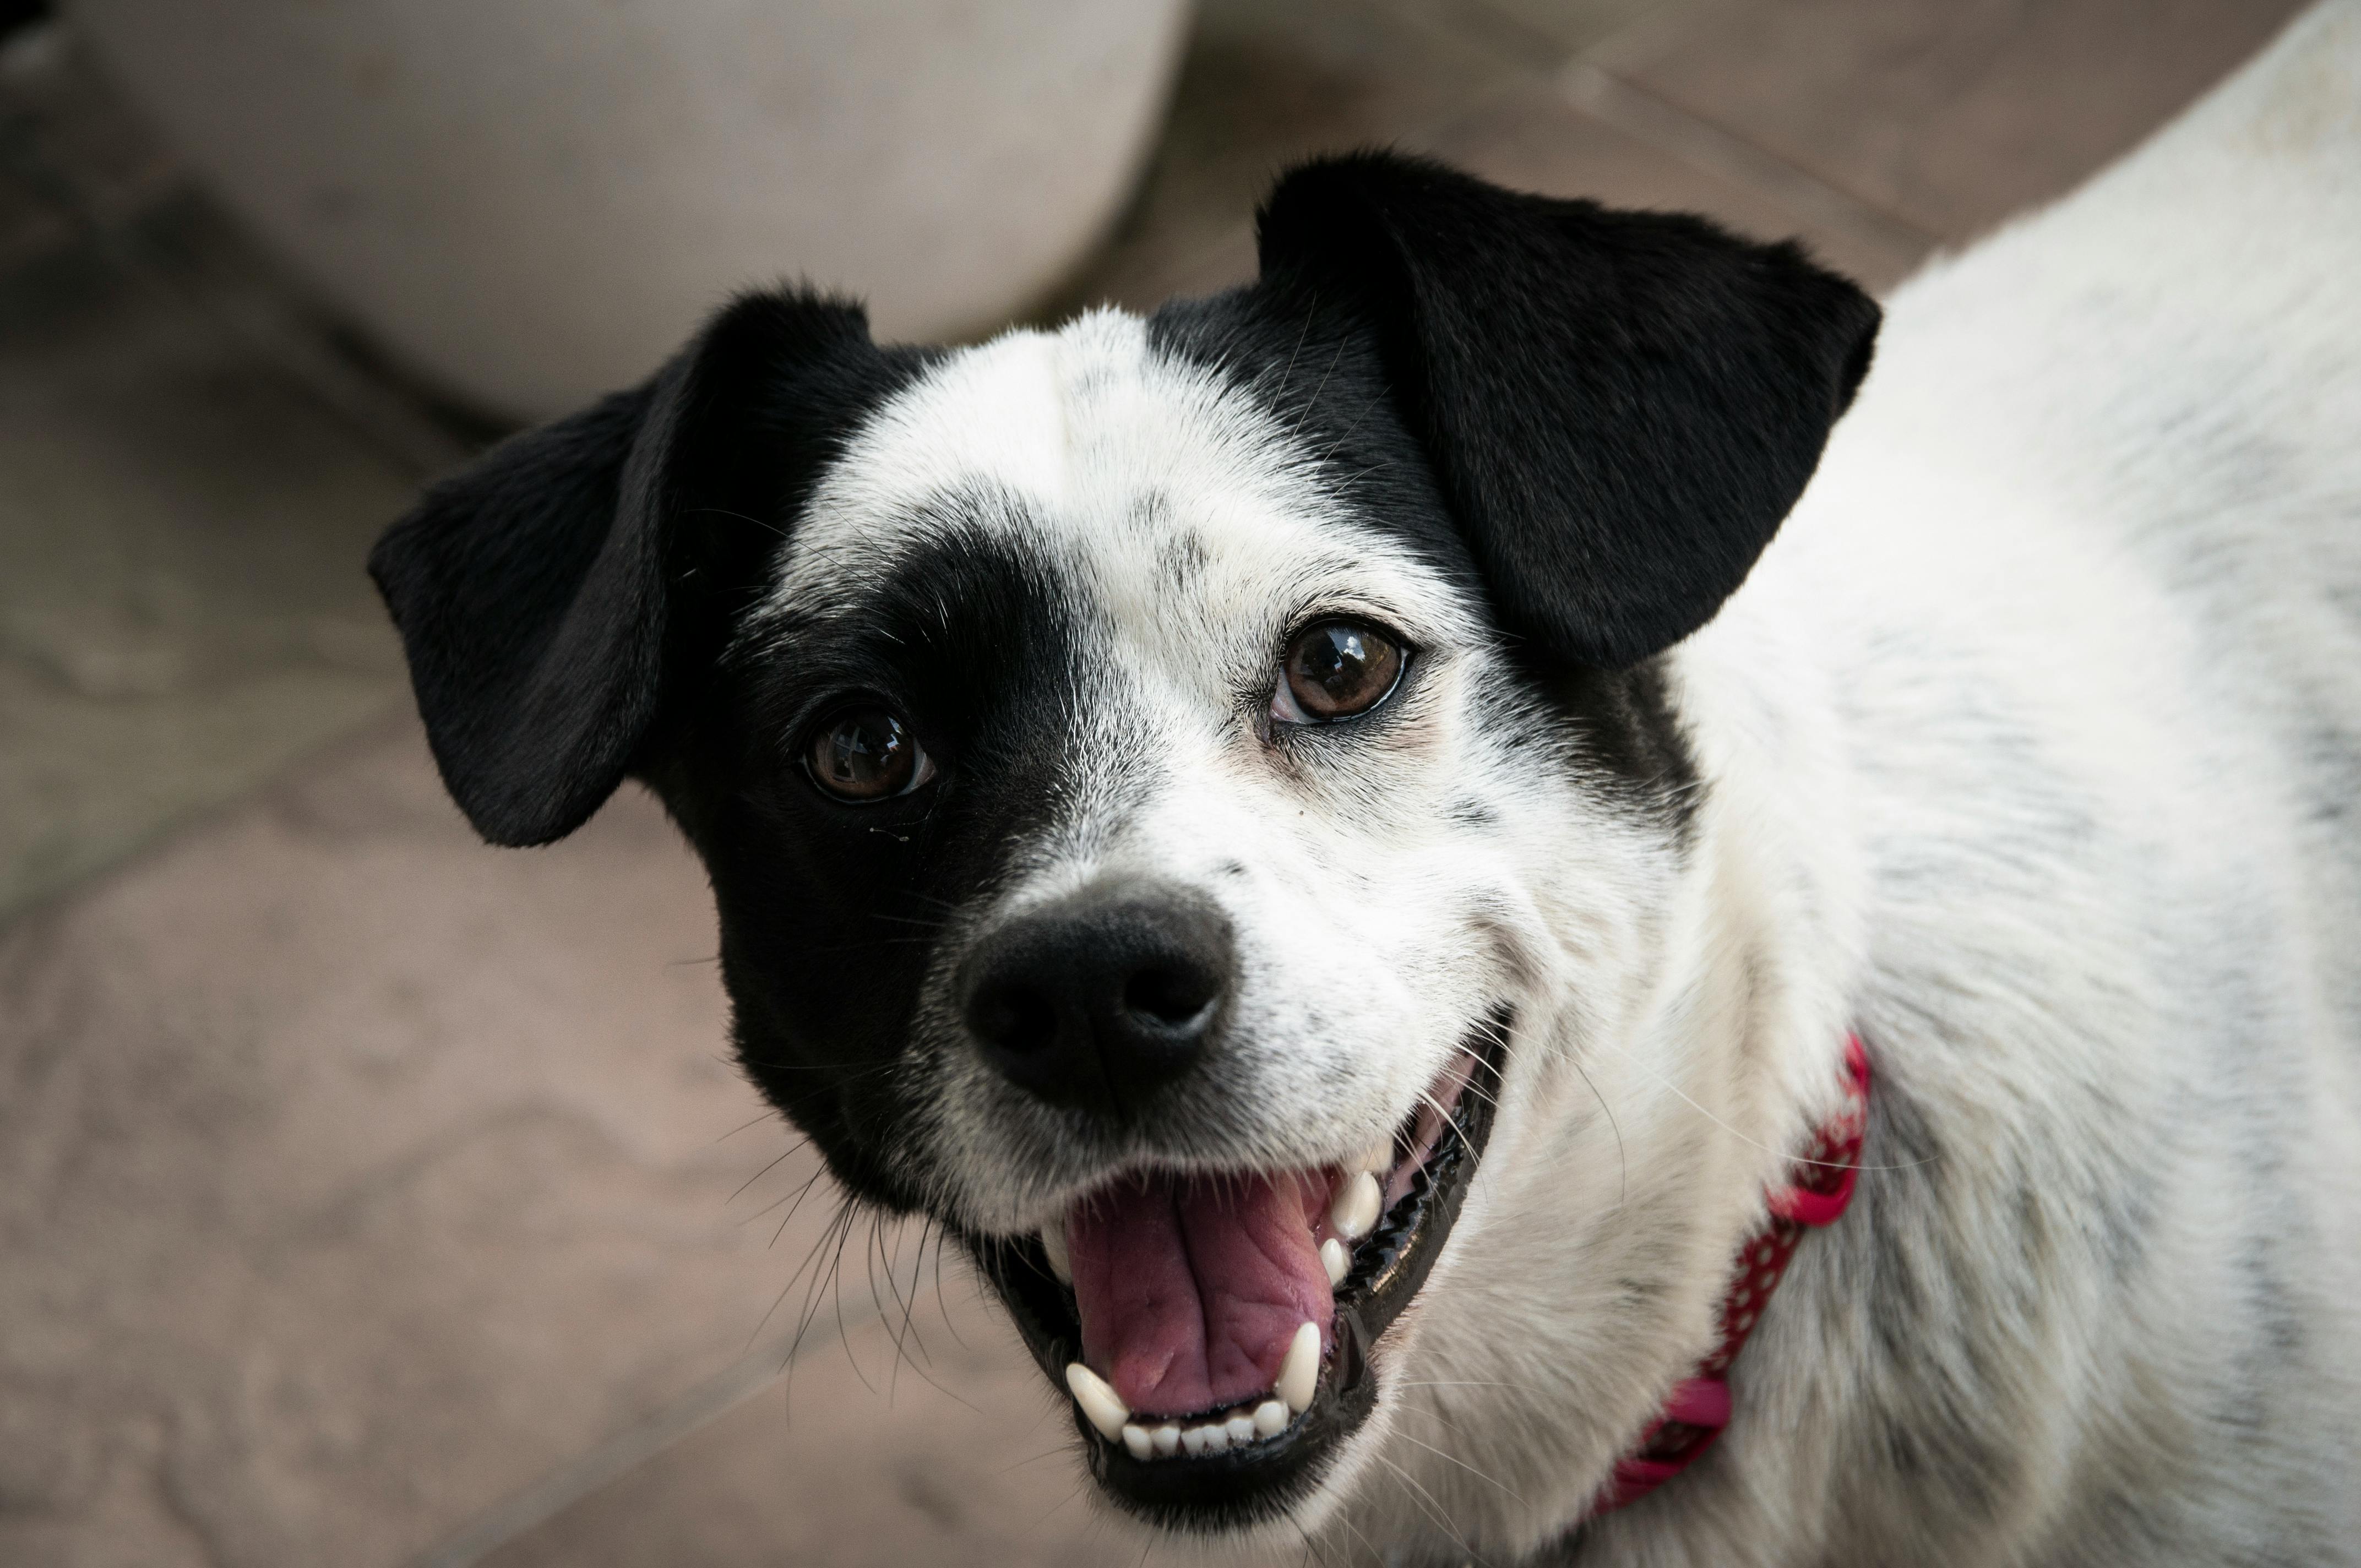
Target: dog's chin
1245 1478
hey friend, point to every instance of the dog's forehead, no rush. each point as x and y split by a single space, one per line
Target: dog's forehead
1146 478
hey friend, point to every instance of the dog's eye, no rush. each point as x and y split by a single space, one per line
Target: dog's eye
1335 670
866 755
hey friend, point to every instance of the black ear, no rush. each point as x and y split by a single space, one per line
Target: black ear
1621 407
554 597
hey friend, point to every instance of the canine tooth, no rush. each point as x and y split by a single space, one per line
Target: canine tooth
1241 1428
1355 1212
1217 1438
1378 1157
1269 1419
1053 1242
1298 1374
1167 1439
1135 1439
1192 1441
1336 1259
1101 1405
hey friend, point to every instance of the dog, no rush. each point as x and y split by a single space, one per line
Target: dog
1519 912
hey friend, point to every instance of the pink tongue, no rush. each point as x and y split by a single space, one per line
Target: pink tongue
1192 1287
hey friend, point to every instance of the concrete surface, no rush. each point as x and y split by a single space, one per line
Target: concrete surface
370 1197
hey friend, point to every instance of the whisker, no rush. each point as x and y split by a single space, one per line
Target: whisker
1313 400
725 511
792 1149
742 1126
1454 1459
1426 1499
1635 1058
1622 1160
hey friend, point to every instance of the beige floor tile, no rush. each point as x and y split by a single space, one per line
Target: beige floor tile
1264 84
182 609
853 1465
1949 113
1536 139
355 1176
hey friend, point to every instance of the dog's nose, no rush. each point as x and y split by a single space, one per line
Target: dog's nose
1100 997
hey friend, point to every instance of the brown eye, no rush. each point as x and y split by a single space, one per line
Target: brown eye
1335 670
867 753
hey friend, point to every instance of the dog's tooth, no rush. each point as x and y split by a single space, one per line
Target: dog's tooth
1193 1441
1377 1158
1299 1373
1355 1212
1335 1260
1241 1428
1101 1406
1167 1440
1217 1438
1269 1419
1053 1242
1136 1440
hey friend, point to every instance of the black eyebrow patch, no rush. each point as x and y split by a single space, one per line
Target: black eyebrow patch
973 630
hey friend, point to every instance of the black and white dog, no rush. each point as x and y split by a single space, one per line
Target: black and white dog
1336 837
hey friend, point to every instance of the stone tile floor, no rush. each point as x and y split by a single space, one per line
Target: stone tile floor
370 1197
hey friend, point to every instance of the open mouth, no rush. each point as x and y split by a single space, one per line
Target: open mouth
1213 1328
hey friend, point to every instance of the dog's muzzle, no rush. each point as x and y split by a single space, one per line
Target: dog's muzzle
1214 1328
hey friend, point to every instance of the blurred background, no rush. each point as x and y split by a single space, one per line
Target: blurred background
370 1197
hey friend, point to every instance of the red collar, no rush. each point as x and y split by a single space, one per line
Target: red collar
1699 1406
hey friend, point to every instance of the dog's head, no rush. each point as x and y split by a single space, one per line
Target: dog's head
1175 789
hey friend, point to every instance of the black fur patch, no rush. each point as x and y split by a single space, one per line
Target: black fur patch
831 912
1619 406
557 598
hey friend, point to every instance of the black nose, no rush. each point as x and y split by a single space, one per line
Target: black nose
1097 999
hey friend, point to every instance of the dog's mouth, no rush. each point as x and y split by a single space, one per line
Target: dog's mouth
1213 1328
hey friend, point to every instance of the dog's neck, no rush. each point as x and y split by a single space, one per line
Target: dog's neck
1816 1194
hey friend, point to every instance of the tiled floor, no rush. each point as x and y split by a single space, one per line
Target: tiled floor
369 1197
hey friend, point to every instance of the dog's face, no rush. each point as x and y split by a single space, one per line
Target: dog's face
1173 789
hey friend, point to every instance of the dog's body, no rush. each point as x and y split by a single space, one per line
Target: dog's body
2064 771
2025 751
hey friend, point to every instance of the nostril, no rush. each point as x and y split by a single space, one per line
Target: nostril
1168 994
1018 1019
1099 998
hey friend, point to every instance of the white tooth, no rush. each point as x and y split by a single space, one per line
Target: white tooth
1101 1405
1378 1157
1269 1419
1192 1441
1167 1439
1241 1429
1298 1374
1356 1208
1336 1259
1053 1242
1136 1440
1217 1438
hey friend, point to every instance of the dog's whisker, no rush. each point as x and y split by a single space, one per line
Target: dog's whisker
792 1149
1666 1083
768 1115
1432 1507
1621 1159
742 517
791 1202
1454 1459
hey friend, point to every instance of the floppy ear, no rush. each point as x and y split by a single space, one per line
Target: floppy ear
1620 407
554 596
